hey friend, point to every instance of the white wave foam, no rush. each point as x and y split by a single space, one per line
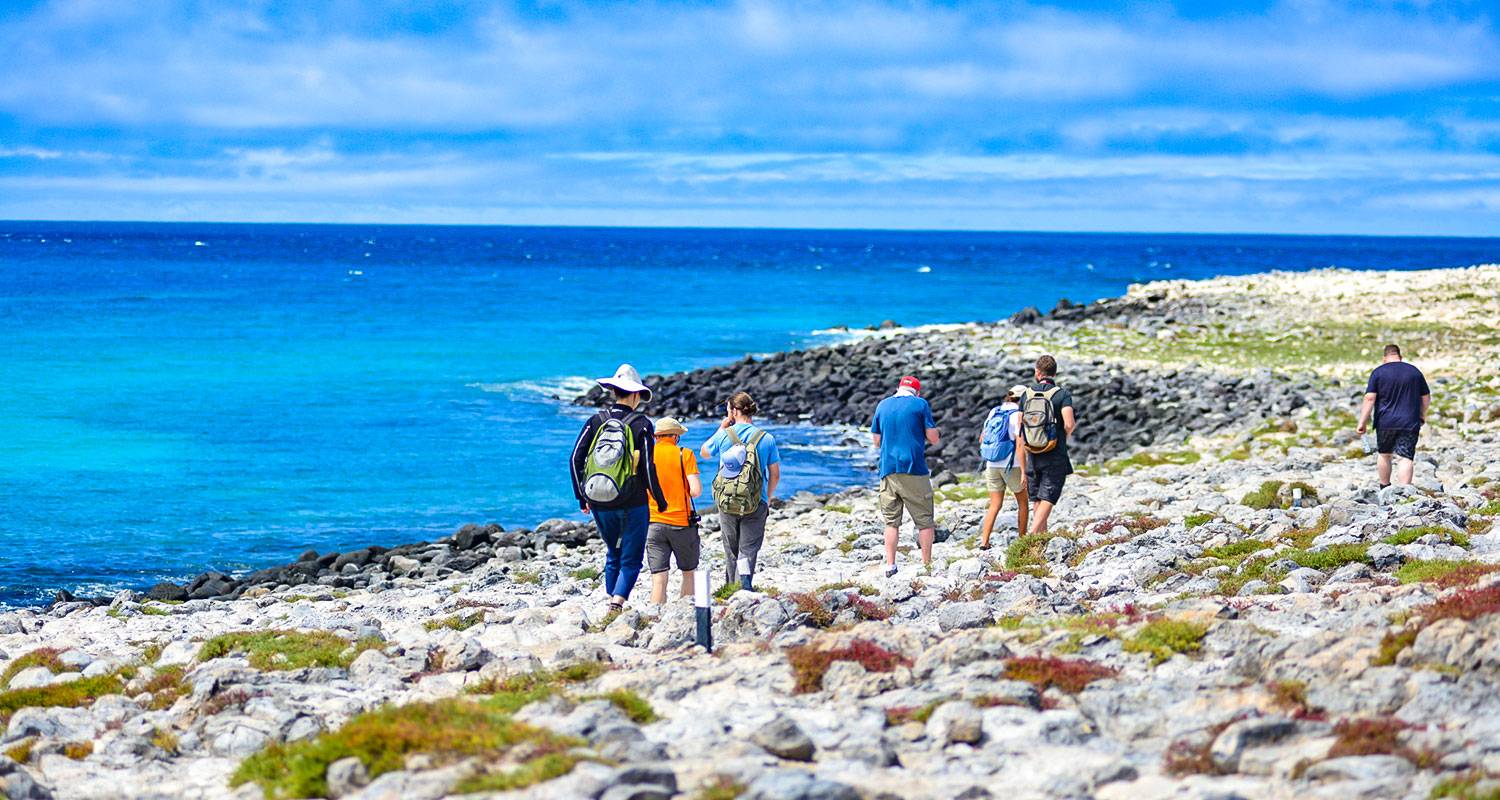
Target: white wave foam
566 387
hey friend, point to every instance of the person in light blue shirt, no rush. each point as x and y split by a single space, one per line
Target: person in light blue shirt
903 428
743 534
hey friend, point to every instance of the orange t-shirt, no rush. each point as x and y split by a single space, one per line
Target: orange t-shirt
670 473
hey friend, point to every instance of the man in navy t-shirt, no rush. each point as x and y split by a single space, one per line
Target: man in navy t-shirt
903 428
1398 395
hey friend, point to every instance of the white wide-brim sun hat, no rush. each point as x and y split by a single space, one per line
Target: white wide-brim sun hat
626 379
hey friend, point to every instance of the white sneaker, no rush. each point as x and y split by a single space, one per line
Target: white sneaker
890 570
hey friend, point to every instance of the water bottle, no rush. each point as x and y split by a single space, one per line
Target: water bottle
1368 440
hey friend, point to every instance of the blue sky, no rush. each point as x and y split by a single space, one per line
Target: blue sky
1304 116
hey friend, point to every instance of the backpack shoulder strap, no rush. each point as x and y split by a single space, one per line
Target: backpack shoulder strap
733 437
752 448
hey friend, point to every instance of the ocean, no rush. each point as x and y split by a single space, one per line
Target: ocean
182 397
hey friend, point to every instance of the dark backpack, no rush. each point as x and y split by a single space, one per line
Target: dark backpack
1039 420
740 495
609 470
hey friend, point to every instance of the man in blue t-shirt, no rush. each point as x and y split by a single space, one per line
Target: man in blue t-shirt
1397 394
903 429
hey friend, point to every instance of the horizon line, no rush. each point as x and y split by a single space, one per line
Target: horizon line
789 229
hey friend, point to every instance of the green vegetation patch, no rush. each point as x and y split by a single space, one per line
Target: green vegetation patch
1163 638
457 622
448 730
1264 497
726 591
286 649
864 589
1329 558
1469 786
1146 458
1027 555
1194 520
721 787
525 576
634 706
518 691
1445 574
1409 535
586 574
73 694
41 657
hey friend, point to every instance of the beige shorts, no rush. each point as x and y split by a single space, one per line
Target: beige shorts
999 479
910 492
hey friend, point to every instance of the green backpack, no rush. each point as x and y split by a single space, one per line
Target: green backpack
740 495
611 465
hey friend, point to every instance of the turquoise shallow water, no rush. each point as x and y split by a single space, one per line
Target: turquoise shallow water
183 397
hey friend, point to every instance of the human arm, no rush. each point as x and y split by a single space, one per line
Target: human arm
933 435
931 426
1368 406
579 457
690 467
1426 404
773 477
1069 422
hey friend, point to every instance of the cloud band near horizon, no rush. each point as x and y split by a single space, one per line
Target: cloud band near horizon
1295 117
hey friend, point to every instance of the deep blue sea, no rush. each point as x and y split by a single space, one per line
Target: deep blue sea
178 397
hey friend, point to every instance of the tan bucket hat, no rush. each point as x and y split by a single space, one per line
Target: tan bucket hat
669 426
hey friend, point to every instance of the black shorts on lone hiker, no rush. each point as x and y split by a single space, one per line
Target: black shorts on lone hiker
1402 443
1045 485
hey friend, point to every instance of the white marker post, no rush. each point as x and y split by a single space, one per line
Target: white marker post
1296 497
705 637
742 567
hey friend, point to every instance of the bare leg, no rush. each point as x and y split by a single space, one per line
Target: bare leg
1023 511
890 545
659 588
1039 522
1404 469
924 538
687 584
996 500
1383 468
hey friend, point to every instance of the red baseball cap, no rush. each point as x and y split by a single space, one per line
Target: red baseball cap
909 382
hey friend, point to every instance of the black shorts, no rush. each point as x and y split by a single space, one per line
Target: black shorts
1402 443
1045 485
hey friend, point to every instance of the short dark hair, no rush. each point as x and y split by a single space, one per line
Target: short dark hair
1047 365
1392 350
620 394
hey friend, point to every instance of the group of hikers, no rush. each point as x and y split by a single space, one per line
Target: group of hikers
641 485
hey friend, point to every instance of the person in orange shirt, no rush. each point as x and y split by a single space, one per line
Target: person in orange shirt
673 533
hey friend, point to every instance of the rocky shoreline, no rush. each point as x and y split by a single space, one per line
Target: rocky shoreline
1191 627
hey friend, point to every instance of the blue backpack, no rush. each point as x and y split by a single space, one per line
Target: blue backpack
996 445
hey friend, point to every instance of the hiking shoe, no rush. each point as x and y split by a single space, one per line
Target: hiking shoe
890 570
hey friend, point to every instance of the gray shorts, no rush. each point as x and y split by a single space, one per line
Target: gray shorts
667 542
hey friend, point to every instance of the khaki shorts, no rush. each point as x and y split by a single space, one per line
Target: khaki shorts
999 479
910 492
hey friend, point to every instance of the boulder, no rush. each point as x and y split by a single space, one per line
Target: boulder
956 721
781 737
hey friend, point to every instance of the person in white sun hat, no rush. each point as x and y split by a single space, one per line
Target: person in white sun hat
614 477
